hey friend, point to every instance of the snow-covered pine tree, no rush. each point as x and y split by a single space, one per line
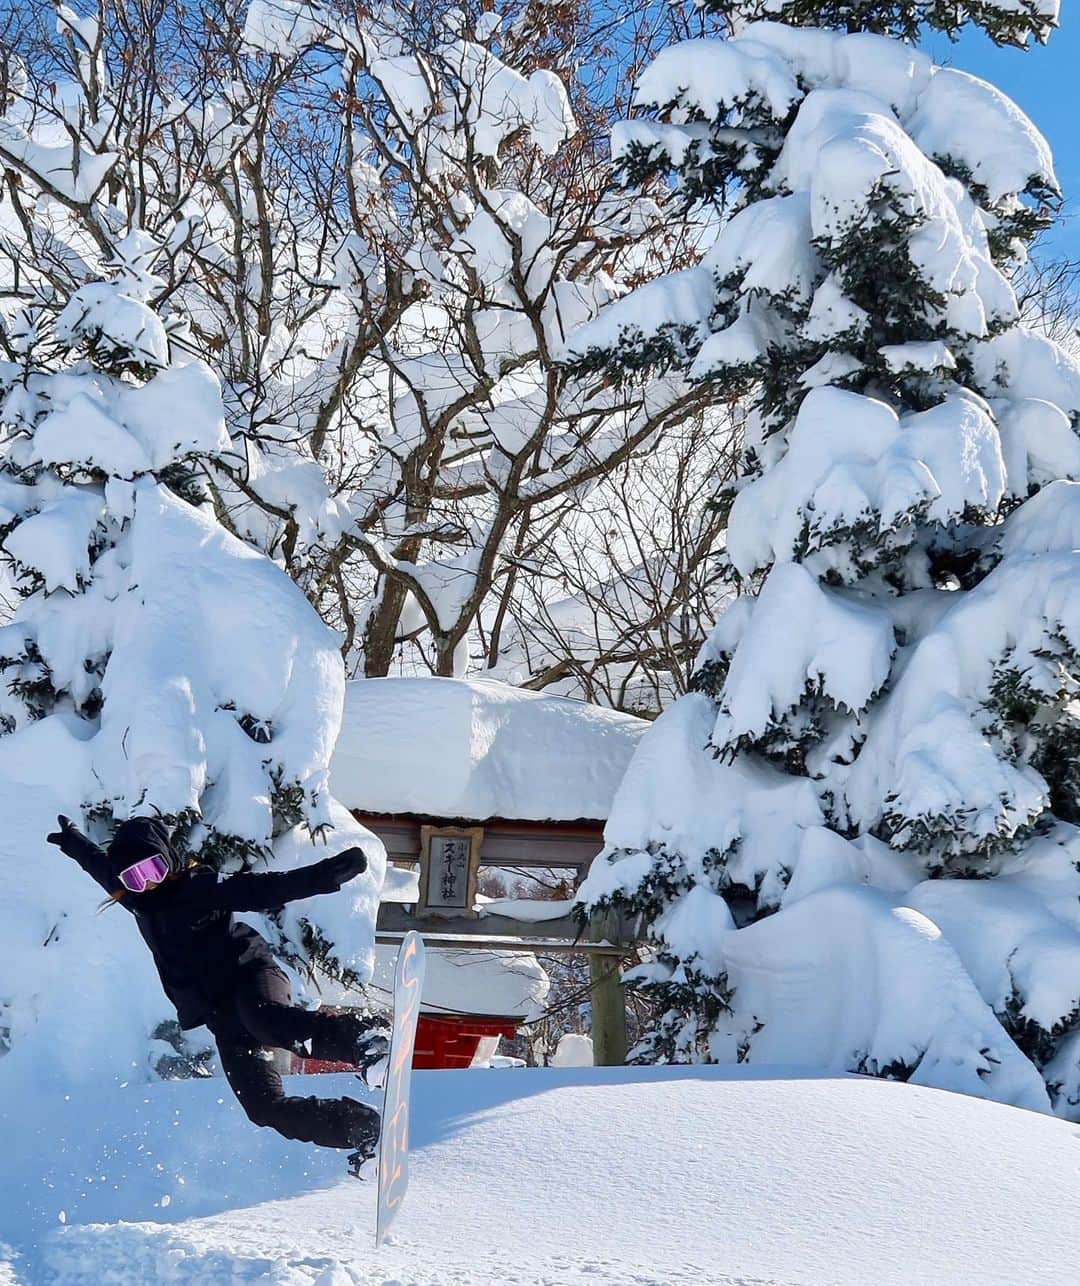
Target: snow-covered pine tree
855 844
153 664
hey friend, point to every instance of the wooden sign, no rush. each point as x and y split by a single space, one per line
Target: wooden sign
449 862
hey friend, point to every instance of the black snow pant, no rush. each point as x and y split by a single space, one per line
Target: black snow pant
258 1014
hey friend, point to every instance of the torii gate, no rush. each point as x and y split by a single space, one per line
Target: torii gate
448 853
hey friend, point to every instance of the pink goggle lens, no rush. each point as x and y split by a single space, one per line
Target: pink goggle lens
148 870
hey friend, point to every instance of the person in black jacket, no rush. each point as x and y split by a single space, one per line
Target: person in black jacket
220 972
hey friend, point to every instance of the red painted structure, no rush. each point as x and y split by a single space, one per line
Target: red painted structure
451 1040
442 1040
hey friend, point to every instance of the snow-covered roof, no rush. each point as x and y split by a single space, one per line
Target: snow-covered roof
479 983
478 749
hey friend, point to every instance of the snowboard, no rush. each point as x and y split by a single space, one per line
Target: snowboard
394 1140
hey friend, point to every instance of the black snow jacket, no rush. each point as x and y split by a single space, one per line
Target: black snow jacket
187 921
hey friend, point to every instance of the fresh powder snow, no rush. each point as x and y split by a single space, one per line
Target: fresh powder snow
540 1176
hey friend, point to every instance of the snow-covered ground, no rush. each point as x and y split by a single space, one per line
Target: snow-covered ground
556 1176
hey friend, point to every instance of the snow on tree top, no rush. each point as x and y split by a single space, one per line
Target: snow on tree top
851 460
185 668
478 749
497 100
962 117
1024 364
709 77
696 805
1006 22
176 414
280 26
82 434
503 101
873 117
55 541
844 648
66 169
117 324
950 115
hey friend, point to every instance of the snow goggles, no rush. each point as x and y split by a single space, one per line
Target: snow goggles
148 870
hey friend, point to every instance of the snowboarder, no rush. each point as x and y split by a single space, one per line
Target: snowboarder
220 972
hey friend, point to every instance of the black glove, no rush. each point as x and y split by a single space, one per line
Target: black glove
342 867
61 837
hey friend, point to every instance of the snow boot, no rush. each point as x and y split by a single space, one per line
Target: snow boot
360 1040
365 1138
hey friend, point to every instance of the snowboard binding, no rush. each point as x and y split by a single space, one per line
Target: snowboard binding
365 1139
361 1166
373 1053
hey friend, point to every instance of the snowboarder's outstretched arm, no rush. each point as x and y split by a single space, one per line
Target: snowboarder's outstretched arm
265 892
74 844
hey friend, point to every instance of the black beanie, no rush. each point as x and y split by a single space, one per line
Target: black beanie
141 837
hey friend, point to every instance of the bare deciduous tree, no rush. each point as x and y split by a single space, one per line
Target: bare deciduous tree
382 228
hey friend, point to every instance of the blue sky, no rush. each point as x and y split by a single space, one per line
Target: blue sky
1043 81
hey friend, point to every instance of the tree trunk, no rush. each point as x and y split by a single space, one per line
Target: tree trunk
445 647
380 634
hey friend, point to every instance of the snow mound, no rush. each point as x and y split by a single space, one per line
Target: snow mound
867 966
58 1032
478 749
676 798
187 674
848 979
829 1179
